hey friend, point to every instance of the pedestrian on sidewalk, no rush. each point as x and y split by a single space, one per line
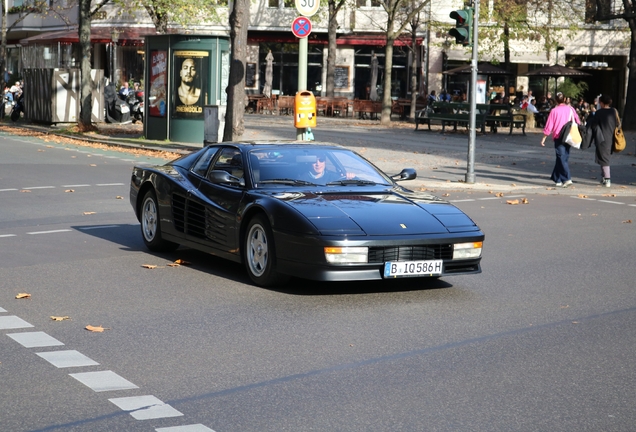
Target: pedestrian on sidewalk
559 116
600 132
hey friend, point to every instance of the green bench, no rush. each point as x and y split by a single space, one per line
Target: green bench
453 113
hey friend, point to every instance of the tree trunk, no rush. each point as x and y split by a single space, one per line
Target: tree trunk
234 121
507 58
629 114
3 47
385 119
414 86
331 48
85 121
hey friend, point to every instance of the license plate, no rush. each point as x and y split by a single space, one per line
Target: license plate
413 268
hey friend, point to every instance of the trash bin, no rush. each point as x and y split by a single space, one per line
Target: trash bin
304 110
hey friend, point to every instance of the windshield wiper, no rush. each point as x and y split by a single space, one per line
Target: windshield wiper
286 181
355 182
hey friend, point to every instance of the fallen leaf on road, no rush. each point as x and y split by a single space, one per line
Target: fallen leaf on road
89 213
499 194
525 201
69 190
627 221
97 329
446 195
149 266
513 202
25 190
119 197
513 185
582 196
23 295
609 195
60 318
93 165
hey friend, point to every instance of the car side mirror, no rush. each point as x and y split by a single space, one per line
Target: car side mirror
220 176
405 174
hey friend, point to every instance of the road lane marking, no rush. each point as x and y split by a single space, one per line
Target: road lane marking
110 184
49 232
67 358
186 428
13 322
34 339
98 227
8 190
39 187
77 185
2 310
102 381
145 407
8 235
611 202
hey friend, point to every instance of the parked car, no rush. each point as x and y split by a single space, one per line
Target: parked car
268 206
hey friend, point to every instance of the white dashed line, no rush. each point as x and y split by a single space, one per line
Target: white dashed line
67 358
8 190
98 227
49 232
145 407
610 202
464 200
109 184
13 322
34 339
7 235
39 187
583 198
2 310
187 428
102 381
78 185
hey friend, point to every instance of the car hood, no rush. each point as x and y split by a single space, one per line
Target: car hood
378 214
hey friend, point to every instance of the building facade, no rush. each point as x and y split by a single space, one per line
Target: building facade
600 49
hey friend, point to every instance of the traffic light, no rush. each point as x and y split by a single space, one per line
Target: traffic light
463 31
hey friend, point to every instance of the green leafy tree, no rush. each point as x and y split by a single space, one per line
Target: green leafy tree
399 13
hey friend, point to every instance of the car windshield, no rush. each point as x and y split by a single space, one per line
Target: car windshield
310 166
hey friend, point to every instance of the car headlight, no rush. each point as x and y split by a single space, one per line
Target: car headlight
467 250
346 255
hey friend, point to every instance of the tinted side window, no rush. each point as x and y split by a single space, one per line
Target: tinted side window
200 167
231 161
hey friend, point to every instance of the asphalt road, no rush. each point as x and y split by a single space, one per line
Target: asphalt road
542 340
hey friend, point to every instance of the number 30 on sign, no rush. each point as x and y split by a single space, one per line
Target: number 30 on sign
307 7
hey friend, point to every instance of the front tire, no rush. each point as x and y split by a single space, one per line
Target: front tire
150 226
260 253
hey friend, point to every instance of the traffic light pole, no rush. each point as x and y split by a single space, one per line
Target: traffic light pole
470 169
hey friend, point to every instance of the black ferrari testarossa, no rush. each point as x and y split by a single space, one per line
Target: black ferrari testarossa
314 211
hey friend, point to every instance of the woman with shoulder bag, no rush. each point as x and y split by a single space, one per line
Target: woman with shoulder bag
600 131
558 117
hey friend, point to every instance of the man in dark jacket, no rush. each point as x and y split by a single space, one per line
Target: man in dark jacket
600 132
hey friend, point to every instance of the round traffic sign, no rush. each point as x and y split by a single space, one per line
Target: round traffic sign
301 27
307 7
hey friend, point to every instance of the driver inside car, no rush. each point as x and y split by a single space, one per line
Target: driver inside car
317 172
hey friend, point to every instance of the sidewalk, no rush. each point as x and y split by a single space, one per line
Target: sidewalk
503 163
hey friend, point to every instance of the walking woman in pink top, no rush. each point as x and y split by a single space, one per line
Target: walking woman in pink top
559 116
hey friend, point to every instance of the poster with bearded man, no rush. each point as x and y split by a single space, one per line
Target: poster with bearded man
190 73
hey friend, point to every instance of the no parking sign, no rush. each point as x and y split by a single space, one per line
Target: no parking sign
301 27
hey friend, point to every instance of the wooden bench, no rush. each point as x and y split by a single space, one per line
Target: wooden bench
363 107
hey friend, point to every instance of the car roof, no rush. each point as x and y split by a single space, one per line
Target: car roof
280 143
